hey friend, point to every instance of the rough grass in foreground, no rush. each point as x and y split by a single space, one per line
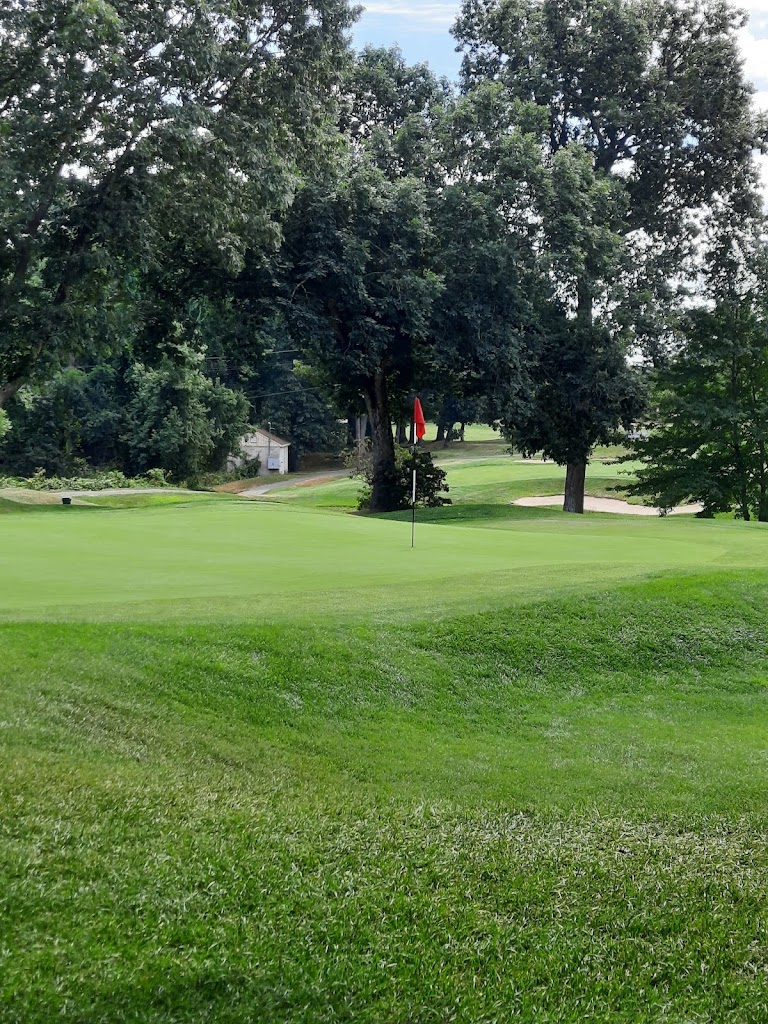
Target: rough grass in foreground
551 813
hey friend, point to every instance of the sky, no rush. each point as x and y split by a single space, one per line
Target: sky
422 30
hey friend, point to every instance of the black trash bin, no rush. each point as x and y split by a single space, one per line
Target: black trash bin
66 501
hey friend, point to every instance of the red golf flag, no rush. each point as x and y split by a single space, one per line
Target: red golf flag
418 419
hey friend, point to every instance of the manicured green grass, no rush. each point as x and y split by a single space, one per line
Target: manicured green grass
241 560
263 762
482 441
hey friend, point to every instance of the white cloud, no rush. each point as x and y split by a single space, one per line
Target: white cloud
417 14
754 42
440 15
754 46
755 52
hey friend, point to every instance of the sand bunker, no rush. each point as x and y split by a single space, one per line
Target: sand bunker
608 505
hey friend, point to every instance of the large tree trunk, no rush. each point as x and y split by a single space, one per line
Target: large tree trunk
575 482
358 429
384 491
746 515
762 505
440 436
7 391
738 452
576 473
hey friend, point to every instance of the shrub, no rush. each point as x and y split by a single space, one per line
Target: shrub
430 479
181 420
156 477
106 480
246 471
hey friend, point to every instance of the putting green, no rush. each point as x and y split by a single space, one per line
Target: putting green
243 560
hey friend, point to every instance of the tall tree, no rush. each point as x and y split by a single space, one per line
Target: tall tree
483 321
709 435
360 248
121 122
654 87
363 290
708 439
486 321
391 110
584 386
654 92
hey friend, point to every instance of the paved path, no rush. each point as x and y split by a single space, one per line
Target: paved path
54 497
297 480
607 505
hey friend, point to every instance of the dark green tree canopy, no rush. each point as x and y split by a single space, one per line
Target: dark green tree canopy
360 249
708 436
391 110
123 415
362 293
124 121
179 420
486 320
655 87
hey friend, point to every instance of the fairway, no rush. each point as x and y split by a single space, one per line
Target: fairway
262 761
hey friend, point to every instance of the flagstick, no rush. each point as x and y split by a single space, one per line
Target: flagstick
417 432
413 507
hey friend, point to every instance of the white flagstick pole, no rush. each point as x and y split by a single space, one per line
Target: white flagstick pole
413 521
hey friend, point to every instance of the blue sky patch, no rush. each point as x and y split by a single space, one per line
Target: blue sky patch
421 28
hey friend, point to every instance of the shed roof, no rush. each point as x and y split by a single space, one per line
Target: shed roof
279 441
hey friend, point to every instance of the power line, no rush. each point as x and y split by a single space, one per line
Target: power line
293 391
220 359
275 352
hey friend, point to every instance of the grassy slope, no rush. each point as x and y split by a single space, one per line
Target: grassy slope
553 810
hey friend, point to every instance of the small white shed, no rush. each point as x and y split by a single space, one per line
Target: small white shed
271 451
